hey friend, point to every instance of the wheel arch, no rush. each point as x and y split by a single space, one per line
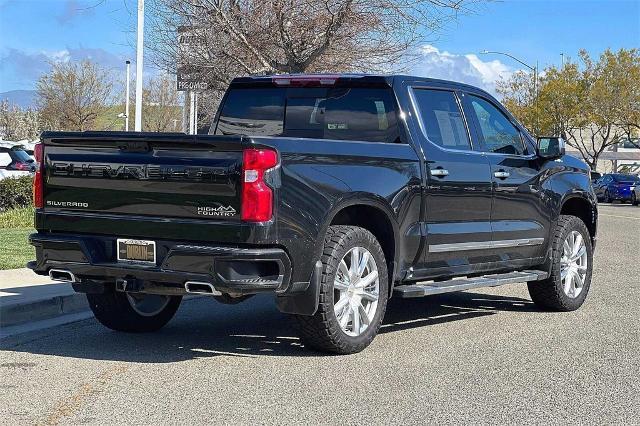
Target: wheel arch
583 208
374 217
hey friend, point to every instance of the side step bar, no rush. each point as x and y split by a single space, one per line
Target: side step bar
428 288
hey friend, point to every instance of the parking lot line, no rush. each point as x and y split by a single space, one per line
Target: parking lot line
622 217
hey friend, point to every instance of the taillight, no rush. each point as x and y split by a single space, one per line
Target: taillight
21 166
257 196
38 180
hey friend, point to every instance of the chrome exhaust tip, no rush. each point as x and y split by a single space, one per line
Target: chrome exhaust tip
198 287
62 275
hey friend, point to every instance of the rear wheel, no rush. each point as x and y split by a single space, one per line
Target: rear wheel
607 198
572 256
133 312
634 199
353 294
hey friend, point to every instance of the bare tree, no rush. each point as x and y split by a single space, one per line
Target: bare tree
17 124
161 111
72 95
240 37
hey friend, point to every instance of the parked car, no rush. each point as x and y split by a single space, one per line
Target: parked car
15 162
333 193
615 186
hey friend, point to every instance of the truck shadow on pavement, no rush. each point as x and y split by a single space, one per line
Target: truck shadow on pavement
203 328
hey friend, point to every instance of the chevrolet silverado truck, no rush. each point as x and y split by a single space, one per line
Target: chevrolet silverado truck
331 192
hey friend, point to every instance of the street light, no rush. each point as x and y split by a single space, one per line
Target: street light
126 98
534 69
139 58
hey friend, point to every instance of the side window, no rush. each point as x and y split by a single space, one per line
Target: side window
344 114
498 133
442 119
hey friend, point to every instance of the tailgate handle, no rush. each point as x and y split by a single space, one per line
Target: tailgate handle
134 147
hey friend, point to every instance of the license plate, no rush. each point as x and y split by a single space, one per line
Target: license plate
136 251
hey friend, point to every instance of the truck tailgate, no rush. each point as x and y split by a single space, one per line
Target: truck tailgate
162 175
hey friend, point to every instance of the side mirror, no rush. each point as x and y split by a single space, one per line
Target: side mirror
551 147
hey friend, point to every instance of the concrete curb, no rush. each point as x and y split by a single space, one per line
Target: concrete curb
38 310
26 297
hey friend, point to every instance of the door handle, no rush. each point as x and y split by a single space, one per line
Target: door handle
439 172
501 174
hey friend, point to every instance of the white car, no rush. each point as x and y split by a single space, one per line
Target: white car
15 162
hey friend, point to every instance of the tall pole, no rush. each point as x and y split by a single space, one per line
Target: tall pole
195 115
535 99
126 99
192 107
185 112
139 57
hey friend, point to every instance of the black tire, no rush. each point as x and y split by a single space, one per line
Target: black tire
607 199
634 199
548 294
322 331
113 310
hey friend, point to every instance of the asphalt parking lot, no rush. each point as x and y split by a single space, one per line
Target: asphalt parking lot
475 357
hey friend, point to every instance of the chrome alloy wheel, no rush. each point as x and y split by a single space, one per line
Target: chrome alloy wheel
147 305
573 264
356 291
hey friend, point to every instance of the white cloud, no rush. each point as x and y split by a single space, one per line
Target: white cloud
467 68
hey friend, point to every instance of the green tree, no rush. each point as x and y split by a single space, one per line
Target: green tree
592 104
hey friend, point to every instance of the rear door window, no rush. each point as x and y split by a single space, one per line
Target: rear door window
442 119
359 114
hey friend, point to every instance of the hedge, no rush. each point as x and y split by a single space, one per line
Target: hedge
15 193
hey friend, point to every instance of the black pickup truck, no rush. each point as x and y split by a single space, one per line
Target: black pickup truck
331 192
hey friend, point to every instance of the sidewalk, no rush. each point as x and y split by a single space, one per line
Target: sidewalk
27 298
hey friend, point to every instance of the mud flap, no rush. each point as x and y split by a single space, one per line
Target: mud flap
304 302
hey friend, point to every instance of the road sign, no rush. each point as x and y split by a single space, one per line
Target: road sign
189 77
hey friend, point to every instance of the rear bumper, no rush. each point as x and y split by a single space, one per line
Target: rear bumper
623 194
621 197
92 260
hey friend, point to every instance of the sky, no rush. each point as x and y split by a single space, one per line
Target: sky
35 32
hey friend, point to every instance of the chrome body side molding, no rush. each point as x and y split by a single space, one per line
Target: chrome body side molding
484 245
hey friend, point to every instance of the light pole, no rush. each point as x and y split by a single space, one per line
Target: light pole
139 57
126 99
534 69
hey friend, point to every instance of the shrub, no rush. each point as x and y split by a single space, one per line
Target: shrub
15 193
17 218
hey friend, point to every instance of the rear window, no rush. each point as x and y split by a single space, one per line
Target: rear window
20 155
361 114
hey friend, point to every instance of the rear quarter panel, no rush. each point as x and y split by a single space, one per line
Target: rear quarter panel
321 177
